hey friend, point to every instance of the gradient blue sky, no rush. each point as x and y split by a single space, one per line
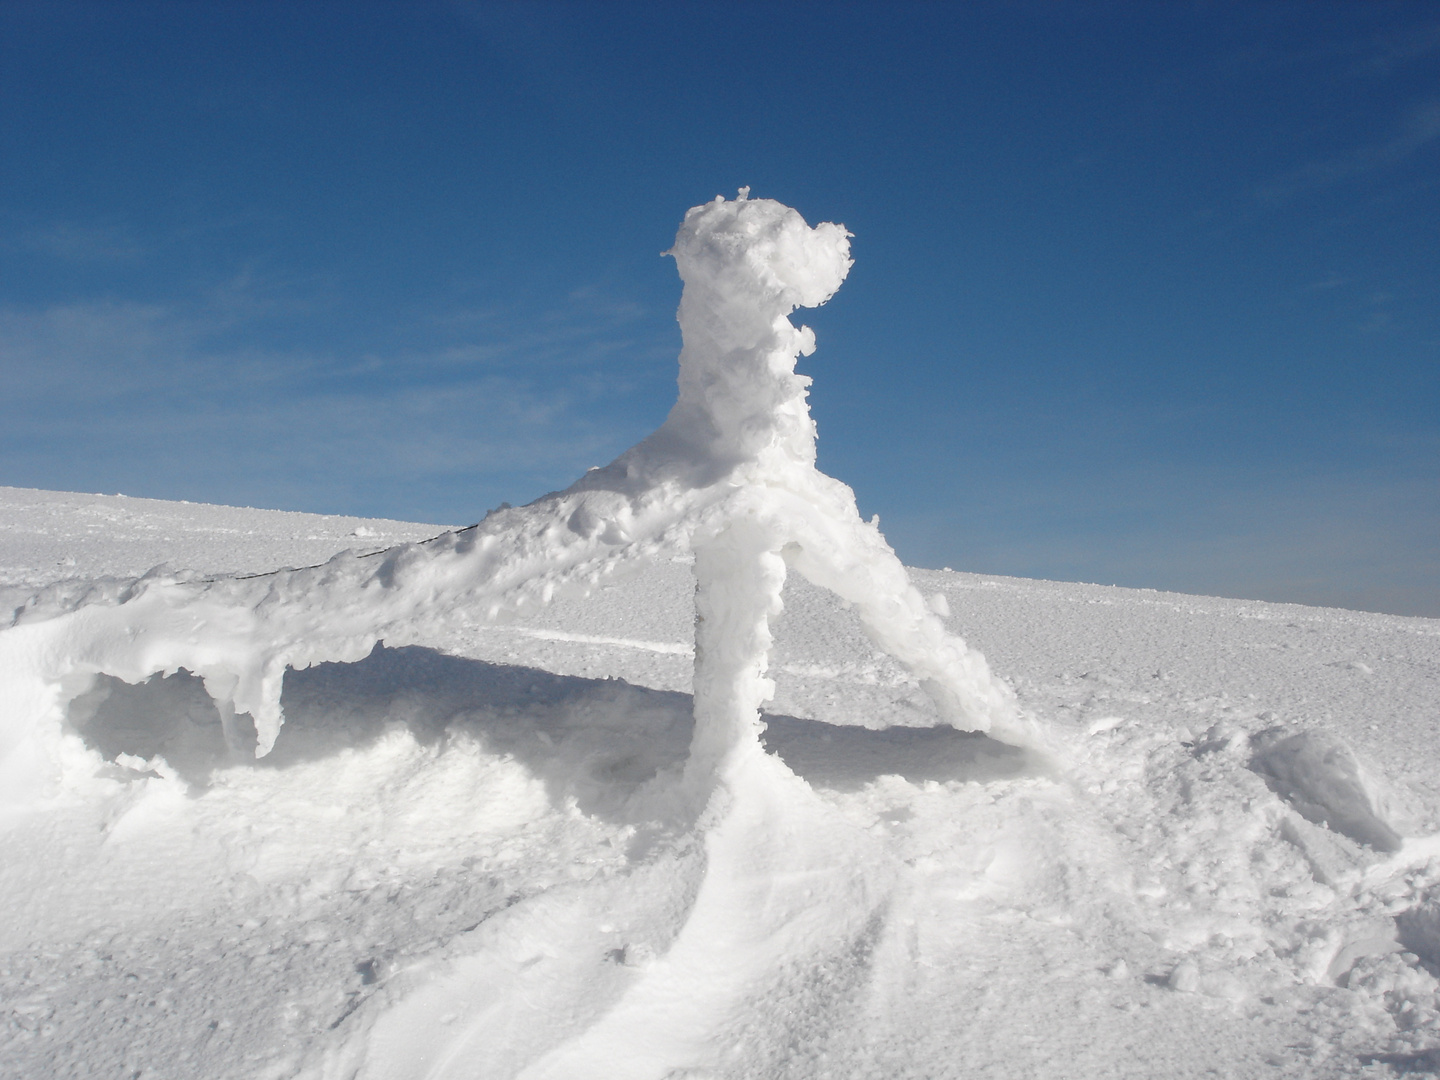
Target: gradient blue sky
1145 294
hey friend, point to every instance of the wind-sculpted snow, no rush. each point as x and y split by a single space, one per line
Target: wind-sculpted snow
1324 782
459 858
544 829
730 475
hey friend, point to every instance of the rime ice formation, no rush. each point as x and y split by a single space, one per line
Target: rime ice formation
729 476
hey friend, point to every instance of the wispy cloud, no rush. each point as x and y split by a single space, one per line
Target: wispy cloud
1364 56
1387 53
164 399
1417 130
74 242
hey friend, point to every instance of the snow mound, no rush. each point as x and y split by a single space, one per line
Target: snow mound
1321 778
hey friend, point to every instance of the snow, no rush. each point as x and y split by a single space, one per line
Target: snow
451 830
729 478
499 833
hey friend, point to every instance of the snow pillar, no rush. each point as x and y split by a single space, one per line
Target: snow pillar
738 577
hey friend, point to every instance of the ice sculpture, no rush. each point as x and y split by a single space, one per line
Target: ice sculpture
729 476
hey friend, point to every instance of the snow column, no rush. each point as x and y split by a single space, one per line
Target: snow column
738 578
742 416
746 266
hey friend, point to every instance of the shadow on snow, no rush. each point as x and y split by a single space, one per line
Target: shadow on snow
594 740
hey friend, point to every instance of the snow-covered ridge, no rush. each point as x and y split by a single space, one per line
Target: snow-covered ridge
51 536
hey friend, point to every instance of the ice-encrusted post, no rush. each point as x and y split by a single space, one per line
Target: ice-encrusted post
747 264
730 477
742 422
741 416
738 578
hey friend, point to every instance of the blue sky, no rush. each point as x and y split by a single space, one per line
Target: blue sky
1145 294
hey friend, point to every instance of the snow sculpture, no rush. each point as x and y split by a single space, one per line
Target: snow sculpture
729 476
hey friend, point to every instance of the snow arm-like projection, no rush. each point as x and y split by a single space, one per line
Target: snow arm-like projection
729 476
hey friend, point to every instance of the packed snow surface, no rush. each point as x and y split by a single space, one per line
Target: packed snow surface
500 801
441 869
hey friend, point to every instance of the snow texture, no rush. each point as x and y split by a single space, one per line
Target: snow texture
524 819
454 863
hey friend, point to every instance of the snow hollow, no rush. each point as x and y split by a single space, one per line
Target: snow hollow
493 802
